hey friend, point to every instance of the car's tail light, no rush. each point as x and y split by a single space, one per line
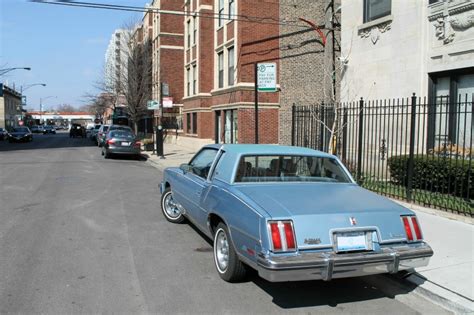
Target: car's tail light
412 229
111 141
137 144
282 236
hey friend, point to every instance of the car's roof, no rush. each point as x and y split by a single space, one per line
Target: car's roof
244 149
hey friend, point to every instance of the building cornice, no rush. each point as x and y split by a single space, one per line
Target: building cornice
250 105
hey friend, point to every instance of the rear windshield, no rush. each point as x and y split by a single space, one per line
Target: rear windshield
122 134
20 129
285 168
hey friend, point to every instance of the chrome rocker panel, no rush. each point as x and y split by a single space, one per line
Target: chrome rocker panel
329 265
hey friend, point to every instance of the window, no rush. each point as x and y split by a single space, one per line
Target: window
220 67
194 80
374 9
189 33
202 162
195 129
450 113
231 9
230 126
188 123
188 80
221 12
194 30
230 73
290 168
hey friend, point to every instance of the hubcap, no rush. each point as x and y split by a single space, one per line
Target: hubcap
171 207
222 251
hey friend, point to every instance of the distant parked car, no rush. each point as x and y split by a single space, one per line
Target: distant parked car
122 142
94 131
49 129
291 213
37 129
3 134
101 133
77 130
20 134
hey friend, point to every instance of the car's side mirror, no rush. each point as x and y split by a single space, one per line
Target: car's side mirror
185 167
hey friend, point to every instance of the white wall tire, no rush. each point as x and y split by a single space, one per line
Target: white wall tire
169 207
228 265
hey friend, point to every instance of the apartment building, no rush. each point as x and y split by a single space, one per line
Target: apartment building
167 38
224 39
116 60
220 52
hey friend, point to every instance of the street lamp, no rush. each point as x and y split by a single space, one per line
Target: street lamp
26 87
41 105
4 71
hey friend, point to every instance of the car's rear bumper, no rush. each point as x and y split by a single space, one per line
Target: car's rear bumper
329 265
124 150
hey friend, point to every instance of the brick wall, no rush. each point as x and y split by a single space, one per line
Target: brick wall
267 130
305 67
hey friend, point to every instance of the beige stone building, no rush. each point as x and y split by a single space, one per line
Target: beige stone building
10 107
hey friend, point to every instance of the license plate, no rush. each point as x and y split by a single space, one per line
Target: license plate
351 241
125 143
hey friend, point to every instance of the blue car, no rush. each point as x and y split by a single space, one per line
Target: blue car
290 213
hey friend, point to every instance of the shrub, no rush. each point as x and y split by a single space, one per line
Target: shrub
434 173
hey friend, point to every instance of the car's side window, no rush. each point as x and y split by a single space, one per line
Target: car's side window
218 162
202 162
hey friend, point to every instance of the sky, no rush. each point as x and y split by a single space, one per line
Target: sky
64 46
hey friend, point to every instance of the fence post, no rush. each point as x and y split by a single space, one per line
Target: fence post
359 149
322 130
293 108
411 161
344 136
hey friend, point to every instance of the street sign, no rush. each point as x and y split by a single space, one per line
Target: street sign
151 105
167 102
266 77
23 100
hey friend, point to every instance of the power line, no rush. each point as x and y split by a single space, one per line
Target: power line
242 18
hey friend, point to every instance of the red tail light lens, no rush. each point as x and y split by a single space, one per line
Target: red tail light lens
416 227
282 236
111 141
276 238
412 228
290 237
137 144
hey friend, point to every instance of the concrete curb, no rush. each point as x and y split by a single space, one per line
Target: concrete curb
440 295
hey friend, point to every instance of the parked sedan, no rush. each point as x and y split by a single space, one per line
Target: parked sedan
101 134
20 134
290 213
122 142
49 129
37 129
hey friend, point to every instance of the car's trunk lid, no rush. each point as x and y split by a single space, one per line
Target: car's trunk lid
319 209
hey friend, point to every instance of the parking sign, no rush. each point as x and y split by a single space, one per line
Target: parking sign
266 76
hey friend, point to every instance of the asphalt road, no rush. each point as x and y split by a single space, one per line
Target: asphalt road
81 234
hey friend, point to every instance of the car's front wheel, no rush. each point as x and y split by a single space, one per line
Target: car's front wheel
169 207
228 264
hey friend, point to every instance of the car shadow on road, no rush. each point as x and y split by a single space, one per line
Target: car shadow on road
335 293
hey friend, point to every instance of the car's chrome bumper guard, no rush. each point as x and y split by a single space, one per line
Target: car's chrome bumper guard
329 265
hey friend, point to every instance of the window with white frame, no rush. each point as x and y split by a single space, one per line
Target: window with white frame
194 30
221 13
189 34
194 80
188 82
220 68
374 9
231 9
231 67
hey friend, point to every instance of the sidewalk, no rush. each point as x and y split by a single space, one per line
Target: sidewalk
449 278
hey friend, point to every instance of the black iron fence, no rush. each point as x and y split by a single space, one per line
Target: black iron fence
407 148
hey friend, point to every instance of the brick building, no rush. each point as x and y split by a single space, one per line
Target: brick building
166 35
223 41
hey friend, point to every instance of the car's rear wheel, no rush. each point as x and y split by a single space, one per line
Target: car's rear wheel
228 264
169 207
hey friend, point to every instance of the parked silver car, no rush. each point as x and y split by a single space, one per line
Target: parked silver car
121 142
101 134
